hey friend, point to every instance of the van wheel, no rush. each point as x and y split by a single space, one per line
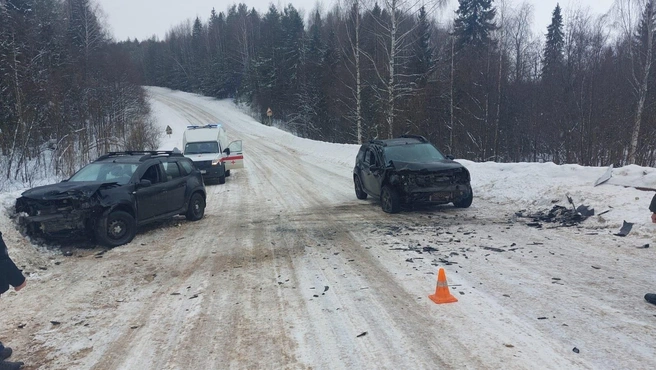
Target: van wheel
116 228
222 179
390 200
227 173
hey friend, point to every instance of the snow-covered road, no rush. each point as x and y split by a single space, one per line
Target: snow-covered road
289 270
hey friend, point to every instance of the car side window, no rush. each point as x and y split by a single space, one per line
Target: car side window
371 157
152 174
187 166
172 170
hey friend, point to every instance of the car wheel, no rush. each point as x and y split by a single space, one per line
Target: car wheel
359 193
465 202
227 173
221 179
390 200
116 228
196 209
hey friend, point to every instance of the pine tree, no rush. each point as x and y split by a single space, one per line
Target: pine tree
474 23
552 62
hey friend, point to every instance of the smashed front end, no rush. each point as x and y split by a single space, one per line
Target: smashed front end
437 186
57 213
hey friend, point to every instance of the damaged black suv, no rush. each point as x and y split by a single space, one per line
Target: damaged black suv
110 197
409 170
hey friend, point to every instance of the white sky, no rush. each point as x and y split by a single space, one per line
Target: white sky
145 18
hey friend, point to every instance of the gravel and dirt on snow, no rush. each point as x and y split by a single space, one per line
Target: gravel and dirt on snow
289 270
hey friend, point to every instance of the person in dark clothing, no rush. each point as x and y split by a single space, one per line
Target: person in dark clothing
652 208
9 275
651 297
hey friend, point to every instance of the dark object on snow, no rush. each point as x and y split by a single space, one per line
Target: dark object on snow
362 334
643 246
576 350
626 229
8 365
558 214
9 273
429 249
652 205
409 170
113 195
494 249
585 211
651 298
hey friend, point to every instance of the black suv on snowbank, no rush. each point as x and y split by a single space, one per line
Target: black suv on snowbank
409 169
110 197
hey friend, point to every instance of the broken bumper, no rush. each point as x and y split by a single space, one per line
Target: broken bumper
437 195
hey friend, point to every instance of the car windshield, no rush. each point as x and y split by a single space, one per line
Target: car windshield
202 147
105 172
420 153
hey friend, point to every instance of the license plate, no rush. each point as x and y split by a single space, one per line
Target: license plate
438 197
203 172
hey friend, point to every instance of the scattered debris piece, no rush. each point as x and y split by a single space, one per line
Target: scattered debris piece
596 267
20 326
509 345
194 296
429 249
134 326
558 214
325 288
55 322
494 249
575 350
585 211
175 293
362 334
605 177
643 246
542 318
626 229
507 295
604 212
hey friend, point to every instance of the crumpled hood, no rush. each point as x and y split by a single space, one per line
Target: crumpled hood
64 190
443 165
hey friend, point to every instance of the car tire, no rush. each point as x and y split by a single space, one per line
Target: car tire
116 228
221 179
390 200
359 192
196 209
465 202
227 173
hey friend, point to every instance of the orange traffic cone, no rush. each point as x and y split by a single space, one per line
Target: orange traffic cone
442 294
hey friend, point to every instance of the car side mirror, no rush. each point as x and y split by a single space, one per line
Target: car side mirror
145 183
450 157
227 151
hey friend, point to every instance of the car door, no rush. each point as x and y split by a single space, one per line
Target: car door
151 200
235 158
176 186
369 176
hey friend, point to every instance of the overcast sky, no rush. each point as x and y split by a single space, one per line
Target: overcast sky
142 19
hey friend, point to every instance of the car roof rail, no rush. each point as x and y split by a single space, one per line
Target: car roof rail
378 142
209 125
145 154
418 137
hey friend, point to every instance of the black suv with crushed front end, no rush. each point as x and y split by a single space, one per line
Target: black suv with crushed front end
110 197
409 170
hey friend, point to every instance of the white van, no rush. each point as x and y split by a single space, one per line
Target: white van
208 147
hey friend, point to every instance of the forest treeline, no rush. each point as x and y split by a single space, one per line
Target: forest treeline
485 87
68 93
